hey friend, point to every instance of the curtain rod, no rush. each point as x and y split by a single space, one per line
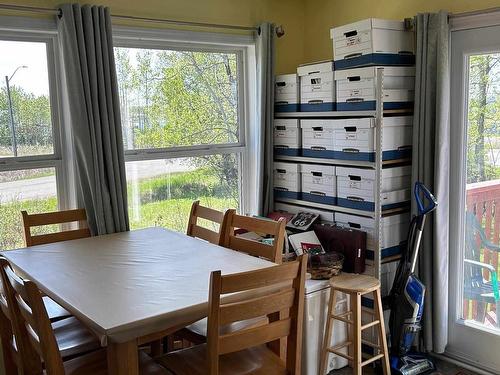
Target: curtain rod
23 8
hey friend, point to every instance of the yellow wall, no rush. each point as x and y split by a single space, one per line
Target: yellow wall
239 12
321 15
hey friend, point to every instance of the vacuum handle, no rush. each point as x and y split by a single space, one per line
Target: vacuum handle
419 190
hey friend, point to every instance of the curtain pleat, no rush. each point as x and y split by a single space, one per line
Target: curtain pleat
87 51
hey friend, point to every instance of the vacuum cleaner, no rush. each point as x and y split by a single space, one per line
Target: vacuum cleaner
407 296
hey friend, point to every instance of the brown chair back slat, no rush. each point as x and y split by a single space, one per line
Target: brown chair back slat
50 218
200 212
33 327
23 353
261 226
278 295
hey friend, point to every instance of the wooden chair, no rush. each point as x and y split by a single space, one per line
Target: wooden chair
39 342
49 218
54 310
201 212
262 226
280 296
72 337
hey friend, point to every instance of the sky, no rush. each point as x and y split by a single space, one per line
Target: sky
32 79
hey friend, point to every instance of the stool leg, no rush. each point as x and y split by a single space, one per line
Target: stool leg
356 334
328 331
381 331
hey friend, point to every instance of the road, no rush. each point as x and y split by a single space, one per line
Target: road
45 187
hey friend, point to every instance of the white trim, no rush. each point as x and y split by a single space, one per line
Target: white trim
28 24
473 21
181 36
187 152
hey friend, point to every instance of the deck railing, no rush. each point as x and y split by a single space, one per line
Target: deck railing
483 200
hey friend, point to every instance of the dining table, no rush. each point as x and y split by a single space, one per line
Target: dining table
133 287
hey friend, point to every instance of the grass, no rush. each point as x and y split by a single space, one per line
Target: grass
163 201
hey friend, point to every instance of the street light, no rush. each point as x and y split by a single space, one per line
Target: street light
11 110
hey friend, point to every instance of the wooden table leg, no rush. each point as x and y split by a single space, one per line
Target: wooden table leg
123 358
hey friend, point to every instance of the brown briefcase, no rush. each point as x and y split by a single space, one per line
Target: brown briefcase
349 242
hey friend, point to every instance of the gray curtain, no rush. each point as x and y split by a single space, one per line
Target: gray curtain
265 54
431 157
94 110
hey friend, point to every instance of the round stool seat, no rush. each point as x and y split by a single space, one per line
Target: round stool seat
354 283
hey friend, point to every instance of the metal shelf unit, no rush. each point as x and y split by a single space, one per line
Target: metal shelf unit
377 165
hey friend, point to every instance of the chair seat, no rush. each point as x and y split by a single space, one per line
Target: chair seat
54 310
96 364
482 292
73 338
198 330
193 361
354 283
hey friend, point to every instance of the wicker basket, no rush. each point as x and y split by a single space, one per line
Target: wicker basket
325 266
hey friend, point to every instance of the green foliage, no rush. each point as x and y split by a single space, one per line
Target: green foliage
11 226
483 138
32 120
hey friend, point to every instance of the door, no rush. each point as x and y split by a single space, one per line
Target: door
474 327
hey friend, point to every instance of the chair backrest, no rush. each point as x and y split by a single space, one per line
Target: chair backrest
276 292
194 229
59 217
11 355
32 327
261 226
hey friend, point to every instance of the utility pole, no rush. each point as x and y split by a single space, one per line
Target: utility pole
11 118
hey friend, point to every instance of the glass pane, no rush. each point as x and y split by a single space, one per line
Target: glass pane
33 190
482 217
177 98
160 192
25 118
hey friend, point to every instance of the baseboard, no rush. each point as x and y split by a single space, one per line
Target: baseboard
459 361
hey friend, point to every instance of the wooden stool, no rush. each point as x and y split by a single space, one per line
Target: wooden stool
355 286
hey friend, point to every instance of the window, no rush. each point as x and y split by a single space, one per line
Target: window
184 128
30 152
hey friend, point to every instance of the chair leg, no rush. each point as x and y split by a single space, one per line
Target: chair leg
356 334
381 331
328 331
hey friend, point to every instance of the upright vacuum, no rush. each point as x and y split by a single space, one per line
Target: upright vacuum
407 295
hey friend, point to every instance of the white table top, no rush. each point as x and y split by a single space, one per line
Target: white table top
130 284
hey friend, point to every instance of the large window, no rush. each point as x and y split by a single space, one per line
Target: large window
30 152
183 128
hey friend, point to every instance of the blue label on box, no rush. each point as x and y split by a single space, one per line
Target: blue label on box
370 156
386 252
286 194
375 59
370 105
365 205
324 199
322 154
289 107
287 151
318 107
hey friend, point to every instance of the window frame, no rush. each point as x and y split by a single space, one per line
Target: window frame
42 31
243 46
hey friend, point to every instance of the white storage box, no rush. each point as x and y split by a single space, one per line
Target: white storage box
286 135
394 230
356 187
319 183
372 42
324 216
318 138
317 87
357 88
317 295
355 140
286 178
286 93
